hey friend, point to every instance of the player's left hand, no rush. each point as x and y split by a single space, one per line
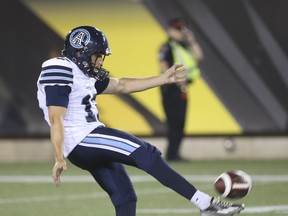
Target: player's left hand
57 170
177 74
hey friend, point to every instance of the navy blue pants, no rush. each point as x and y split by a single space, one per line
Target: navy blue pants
103 153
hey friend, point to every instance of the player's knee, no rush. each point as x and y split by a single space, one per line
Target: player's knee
146 156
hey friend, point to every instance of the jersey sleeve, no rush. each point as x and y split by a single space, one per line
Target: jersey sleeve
57 95
56 71
57 78
101 85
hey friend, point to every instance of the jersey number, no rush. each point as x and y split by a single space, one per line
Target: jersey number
90 115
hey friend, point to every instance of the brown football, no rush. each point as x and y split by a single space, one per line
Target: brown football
233 184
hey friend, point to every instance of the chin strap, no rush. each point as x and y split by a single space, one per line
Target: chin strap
100 73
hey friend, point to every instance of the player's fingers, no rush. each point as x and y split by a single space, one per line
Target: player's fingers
178 67
181 74
65 167
56 176
57 181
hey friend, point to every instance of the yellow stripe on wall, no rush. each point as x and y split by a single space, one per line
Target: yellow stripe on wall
127 118
206 113
134 38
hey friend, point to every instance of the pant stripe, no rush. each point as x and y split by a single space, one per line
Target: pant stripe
114 138
108 142
106 147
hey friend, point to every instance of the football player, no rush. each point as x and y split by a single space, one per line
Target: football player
67 87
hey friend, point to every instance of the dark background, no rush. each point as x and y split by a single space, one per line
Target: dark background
245 62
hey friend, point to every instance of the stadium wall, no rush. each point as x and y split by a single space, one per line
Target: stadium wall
194 148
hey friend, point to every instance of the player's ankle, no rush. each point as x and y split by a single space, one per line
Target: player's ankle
201 200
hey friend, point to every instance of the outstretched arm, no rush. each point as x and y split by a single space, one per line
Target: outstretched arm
56 116
174 74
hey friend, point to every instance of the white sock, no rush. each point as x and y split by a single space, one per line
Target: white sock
201 200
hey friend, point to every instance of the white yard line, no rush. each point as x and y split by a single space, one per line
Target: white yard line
51 198
135 178
281 209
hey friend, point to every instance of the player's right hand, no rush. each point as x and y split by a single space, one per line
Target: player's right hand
176 74
57 170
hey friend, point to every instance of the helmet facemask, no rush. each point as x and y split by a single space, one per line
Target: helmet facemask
96 72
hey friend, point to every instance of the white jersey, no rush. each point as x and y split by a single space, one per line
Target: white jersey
82 114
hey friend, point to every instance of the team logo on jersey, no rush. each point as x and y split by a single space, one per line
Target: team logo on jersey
78 37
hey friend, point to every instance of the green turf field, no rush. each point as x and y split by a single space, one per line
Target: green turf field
28 190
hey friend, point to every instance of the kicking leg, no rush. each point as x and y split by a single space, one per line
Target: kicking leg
163 172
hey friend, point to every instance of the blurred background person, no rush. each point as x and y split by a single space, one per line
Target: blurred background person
181 47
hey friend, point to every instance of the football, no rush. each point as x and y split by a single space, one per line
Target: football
233 184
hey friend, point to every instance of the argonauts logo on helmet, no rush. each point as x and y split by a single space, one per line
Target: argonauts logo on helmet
78 37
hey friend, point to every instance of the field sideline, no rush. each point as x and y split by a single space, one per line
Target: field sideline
27 189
